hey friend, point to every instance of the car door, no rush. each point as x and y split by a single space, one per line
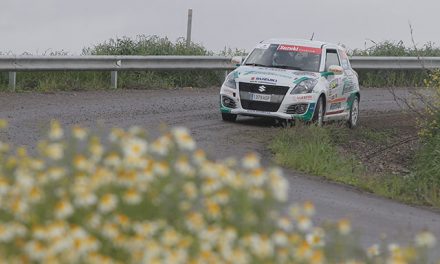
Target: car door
336 102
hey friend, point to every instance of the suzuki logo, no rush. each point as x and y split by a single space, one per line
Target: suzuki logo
262 88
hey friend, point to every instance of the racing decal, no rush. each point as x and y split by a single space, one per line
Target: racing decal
338 100
348 85
301 73
335 112
296 81
335 106
333 84
308 115
295 48
266 73
264 80
304 97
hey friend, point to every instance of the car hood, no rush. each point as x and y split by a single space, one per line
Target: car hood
272 76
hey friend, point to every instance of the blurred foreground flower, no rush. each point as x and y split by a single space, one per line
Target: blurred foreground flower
132 200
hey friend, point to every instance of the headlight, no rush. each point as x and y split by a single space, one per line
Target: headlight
305 86
230 81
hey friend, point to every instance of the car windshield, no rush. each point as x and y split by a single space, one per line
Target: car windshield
286 57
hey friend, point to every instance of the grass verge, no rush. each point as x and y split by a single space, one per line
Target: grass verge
318 151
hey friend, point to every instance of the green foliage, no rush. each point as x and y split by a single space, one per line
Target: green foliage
140 45
310 149
314 150
426 176
393 78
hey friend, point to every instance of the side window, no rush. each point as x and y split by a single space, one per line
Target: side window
331 58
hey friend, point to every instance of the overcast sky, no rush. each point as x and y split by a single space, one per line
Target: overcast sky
38 25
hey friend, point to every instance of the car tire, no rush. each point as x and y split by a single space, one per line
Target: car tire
229 117
318 115
353 119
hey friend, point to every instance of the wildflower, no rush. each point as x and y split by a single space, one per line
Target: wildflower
213 209
112 160
304 223
170 237
183 139
55 132
79 133
316 237
35 250
161 145
96 148
55 151
6 234
251 161
344 226
309 209
134 148
285 224
56 173
107 203
4 185
190 190
279 186
425 239
63 209
199 156
132 196
373 251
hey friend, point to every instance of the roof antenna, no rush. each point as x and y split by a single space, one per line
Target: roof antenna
313 35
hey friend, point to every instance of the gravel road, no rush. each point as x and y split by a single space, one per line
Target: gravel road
197 109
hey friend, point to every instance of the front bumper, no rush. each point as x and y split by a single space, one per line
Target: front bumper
234 106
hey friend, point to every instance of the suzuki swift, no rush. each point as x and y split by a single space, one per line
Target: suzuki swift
293 80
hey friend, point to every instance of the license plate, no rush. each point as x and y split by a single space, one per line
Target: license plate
261 97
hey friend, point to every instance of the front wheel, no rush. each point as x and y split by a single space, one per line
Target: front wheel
229 117
318 115
354 113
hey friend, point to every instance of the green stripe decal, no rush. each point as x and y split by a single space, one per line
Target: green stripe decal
308 115
325 74
300 80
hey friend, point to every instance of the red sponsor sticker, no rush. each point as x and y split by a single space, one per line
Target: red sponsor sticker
299 49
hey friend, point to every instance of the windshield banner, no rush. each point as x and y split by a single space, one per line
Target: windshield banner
299 49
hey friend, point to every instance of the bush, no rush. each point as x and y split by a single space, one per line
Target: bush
127 199
140 45
395 78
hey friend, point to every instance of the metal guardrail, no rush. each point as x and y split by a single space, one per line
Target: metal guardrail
13 64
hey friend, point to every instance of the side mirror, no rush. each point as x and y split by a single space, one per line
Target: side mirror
336 69
237 60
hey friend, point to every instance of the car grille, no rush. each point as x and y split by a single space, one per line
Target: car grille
228 102
297 109
277 92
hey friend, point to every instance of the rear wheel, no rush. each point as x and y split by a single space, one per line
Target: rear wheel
354 113
229 117
318 115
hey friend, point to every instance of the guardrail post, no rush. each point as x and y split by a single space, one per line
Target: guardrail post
114 79
12 80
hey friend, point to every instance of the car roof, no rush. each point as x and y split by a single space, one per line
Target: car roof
301 42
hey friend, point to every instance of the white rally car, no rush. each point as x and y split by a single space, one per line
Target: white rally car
293 79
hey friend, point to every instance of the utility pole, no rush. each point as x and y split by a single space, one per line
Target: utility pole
188 29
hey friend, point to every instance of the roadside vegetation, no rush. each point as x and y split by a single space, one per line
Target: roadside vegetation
155 45
393 78
140 45
397 157
123 198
